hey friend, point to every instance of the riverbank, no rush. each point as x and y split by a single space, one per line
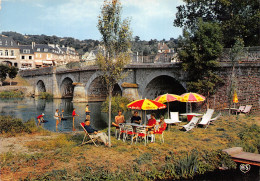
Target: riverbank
46 155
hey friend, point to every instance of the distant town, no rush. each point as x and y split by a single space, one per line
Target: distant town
35 51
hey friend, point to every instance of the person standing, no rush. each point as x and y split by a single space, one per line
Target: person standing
73 117
57 117
87 112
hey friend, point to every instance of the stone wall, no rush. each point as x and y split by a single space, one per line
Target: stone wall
247 87
27 90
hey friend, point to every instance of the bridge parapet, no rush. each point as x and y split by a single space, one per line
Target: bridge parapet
40 71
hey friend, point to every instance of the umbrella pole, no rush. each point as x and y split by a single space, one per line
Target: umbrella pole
168 111
145 116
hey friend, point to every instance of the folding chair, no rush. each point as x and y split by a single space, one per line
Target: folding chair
88 135
128 132
160 131
141 133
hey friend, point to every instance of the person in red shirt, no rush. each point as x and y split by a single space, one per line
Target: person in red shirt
151 124
73 116
40 118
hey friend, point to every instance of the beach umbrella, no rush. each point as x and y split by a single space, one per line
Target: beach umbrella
192 97
168 98
146 104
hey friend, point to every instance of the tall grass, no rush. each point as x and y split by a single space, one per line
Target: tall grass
11 94
46 95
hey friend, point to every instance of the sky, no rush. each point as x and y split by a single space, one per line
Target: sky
150 19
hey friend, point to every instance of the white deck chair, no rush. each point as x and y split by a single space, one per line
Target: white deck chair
192 124
247 109
206 118
215 118
174 118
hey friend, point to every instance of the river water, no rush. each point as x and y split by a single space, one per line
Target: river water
28 108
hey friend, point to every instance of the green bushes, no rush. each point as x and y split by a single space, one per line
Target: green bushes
12 125
46 95
117 103
250 138
11 94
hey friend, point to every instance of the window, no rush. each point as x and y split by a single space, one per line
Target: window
6 52
12 53
5 42
45 50
12 43
1 42
38 49
30 57
26 50
23 57
1 52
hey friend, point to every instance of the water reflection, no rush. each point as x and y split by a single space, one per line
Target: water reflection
28 108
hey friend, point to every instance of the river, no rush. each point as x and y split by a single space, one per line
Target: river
28 108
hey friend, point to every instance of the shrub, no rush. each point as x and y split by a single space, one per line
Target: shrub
12 125
46 95
11 94
117 103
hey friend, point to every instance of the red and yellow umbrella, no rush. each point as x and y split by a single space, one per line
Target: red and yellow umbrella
168 98
146 104
192 97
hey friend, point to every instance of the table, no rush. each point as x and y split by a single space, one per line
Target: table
190 115
137 125
232 109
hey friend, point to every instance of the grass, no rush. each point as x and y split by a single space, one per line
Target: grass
182 156
46 95
11 94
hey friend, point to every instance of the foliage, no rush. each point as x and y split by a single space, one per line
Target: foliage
3 72
46 95
237 18
200 48
73 65
250 137
235 55
13 125
12 72
117 103
11 94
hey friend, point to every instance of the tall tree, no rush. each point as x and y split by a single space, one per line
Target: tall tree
4 69
237 18
200 48
116 38
12 73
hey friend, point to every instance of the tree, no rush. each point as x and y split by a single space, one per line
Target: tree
12 73
116 39
4 69
200 48
237 18
235 55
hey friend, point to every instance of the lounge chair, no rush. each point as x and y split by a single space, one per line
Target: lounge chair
215 118
247 109
206 118
88 135
240 109
192 124
174 118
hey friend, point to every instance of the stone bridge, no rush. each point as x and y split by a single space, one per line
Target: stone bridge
142 81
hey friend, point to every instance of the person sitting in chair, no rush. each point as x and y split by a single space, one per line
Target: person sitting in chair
119 119
151 125
96 133
135 118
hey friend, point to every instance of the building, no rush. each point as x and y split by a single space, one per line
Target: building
35 55
9 51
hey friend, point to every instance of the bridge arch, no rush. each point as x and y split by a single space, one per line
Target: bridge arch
66 86
96 90
162 83
40 87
